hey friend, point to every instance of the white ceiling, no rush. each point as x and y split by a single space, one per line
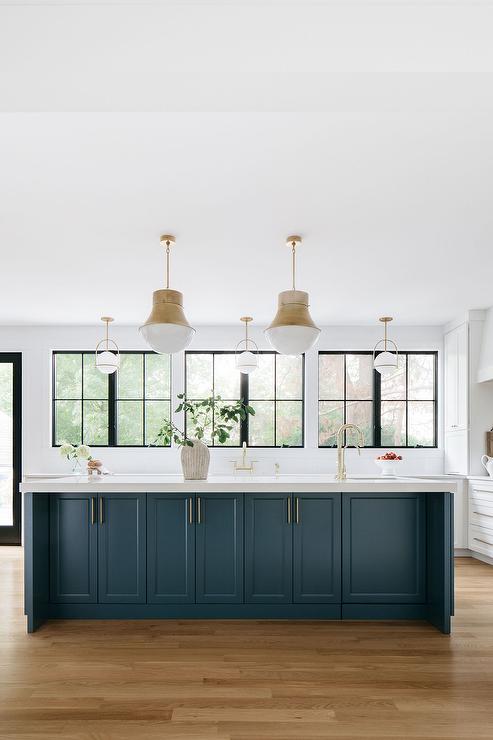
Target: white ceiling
367 127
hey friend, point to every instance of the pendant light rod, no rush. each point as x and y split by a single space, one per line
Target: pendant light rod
385 320
107 320
167 240
293 241
246 320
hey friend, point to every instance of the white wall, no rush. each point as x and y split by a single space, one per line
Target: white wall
37 344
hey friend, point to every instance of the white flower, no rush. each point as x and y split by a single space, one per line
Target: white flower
66 449
83 451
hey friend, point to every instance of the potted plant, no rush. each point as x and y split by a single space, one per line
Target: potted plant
195 455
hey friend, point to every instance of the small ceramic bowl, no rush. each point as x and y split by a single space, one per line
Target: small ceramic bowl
388 467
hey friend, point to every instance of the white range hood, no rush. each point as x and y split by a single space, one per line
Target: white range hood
485 366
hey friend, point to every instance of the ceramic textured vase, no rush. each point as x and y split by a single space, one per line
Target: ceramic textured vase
195 461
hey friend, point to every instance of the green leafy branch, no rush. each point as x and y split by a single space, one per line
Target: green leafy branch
209 414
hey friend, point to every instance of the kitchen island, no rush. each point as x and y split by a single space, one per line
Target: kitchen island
252 547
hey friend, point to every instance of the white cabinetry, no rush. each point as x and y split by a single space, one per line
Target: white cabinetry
481 517
456 396
461 516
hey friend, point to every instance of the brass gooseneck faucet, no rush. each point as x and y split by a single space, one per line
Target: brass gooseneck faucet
341 464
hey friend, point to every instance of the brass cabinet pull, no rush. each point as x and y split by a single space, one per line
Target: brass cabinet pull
199 511
289 509
297 510
190 511
101 510
485 542
93 510
483 513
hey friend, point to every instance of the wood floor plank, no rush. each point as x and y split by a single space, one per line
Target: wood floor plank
247 680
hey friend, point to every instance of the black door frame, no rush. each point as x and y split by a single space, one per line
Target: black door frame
11 535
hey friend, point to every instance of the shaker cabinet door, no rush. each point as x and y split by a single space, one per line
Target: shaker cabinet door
122 548
384 548
317 548
170 548
73 548
268 548
219 548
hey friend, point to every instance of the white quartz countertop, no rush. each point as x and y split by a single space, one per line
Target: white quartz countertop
117 483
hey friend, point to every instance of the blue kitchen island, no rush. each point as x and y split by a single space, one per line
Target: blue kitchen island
290 547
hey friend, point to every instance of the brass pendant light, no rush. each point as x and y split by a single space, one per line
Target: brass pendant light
293 330
107 352
247 359
384 361
167 330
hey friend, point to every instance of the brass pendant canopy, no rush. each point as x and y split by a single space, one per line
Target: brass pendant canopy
167 330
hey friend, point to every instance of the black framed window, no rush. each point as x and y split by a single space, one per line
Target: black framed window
124 409
275 390
399 410
10 447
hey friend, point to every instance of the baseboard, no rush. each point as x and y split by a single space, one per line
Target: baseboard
483 558
462 552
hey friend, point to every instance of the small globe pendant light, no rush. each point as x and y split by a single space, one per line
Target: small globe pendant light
107 360
167 330
385 362
247 360
292 331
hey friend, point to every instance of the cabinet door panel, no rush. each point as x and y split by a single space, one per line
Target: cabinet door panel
171 548
268 548
317 548
462 376
219 549
73 549
122 548
384 548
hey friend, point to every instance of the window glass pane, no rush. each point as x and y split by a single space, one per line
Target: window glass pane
289 423
421 423
330 418
157 376
393 423
393 387
359 376
261 426
331 376
421 374
199 375
95 382
261 381
129 417
289 377
226 377
361 414
68 422
130 376
95 431
157 412
68 376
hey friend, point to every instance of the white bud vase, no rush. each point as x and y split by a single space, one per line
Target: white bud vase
195 461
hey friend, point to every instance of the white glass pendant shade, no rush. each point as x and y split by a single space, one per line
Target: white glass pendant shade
386 363
107 362
293 330
246 362
167 330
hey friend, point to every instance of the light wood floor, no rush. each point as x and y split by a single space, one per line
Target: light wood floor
230 680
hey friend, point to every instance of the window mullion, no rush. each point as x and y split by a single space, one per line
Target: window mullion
245 395
112 442
377 409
